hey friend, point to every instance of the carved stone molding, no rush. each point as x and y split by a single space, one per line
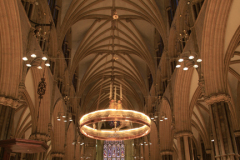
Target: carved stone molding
13 103
217 98
57 154
166 152
208 151
237 133
40 137
183 133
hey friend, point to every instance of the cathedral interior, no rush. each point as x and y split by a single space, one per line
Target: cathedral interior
176 62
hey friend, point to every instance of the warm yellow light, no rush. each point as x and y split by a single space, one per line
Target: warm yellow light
185 68
195 66
44 58
47 64
39 67
33 55
25 58
199 60
178 66
115 115
191 57
180 60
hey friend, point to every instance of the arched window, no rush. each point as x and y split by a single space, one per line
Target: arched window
113 150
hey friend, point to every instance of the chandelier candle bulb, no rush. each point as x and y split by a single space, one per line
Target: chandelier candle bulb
178 66
33 55
39 67
110 96
191 57
120 91
47 64
185 68
195 66
28 65
44 58
115 93
180 60
25 58
199 60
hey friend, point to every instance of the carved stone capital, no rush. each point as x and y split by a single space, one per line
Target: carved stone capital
217 98
57 154
237 133
40 137
166 152
13 103
208 151
183 133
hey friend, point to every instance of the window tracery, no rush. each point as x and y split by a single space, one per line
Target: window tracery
114 150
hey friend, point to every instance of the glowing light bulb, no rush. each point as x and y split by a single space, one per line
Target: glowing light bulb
47 64
28 65
25 58
44 58
185 68
191 57
180 60
161 120
33 55
199 60
178 66
39 67
195 66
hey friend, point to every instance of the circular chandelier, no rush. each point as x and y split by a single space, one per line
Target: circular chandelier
120 118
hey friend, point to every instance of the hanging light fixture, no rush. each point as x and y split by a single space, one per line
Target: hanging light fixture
115 114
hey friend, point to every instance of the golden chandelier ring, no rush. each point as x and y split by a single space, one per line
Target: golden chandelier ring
124 116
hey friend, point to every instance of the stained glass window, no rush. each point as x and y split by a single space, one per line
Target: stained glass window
114 150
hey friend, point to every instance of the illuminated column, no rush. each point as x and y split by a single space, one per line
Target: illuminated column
167 155
237 135
224 143
185 146
57 156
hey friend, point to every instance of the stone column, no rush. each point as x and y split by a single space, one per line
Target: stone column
99 155
167 155
224 144
185 146
57 156
237 137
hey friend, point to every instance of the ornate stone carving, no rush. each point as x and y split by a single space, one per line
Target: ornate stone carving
57 154
217 98
166 152
13 103
183 133
40 137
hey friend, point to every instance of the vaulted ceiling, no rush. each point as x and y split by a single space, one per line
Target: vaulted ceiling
106 50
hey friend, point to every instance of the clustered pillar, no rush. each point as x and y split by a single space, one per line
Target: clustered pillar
167 155
185 146
224 143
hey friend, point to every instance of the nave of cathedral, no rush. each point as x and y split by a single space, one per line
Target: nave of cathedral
119 80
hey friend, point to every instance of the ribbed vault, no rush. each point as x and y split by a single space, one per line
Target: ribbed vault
118 51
